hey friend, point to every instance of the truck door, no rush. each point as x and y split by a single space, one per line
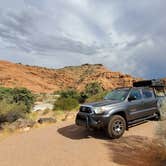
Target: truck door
135 104
149 101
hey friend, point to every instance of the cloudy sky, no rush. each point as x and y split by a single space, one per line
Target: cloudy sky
127 36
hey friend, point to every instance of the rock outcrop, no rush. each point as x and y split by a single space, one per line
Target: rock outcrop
45 80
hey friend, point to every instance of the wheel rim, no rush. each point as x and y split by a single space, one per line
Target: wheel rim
118 127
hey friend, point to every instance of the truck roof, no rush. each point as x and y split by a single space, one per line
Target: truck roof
149 83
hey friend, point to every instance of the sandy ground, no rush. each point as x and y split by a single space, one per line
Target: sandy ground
65 144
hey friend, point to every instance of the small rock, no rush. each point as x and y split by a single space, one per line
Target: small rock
46 120
22 123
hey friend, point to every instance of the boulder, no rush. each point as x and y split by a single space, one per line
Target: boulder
46 120
21 124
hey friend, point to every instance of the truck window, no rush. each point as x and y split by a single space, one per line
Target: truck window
136 93
147 93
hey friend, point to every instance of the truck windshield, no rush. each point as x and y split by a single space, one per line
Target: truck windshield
119 94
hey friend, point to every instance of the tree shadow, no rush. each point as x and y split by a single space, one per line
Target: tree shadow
137 151
76 132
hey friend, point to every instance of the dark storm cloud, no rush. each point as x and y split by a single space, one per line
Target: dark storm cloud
20 29
129 36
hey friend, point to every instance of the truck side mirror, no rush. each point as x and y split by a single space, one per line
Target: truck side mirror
131 98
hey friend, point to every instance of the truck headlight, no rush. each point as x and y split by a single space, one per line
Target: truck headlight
99 110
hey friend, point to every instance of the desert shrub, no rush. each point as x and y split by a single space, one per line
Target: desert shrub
68 100
93 89
14 103
41 97
93 92
9 112
70 93
65 104
32 116
23 95
83 97
46 111
97 97
6 94
17 111
17 95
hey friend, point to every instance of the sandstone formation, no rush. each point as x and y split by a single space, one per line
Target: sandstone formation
45 80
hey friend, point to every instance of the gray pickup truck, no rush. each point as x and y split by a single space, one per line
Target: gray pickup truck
124 107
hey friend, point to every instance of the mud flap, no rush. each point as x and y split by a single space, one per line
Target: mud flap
87 122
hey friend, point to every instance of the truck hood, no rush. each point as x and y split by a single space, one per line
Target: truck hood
103 103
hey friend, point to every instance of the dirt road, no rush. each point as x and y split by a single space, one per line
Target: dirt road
65 144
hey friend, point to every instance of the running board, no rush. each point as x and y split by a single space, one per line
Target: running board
139 121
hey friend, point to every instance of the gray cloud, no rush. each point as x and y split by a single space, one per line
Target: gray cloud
126 36
20 29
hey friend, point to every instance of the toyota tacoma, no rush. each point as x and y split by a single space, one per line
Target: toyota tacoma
124 107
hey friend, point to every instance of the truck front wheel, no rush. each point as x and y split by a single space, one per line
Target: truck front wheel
116 126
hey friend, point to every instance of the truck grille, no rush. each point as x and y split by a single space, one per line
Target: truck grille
85 109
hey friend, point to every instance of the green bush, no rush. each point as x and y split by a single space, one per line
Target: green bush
83 97
23 95
70 99
14 103
6 94
97 97
9 112
93 89
70 93
16 112
17 95
66 104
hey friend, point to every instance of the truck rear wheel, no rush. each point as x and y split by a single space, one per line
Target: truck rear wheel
116 127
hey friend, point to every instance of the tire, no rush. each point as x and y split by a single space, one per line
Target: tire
157 117
116 127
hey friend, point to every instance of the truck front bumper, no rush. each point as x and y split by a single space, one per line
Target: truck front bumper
91 120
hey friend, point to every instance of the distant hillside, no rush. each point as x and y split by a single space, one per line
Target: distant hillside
40 79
